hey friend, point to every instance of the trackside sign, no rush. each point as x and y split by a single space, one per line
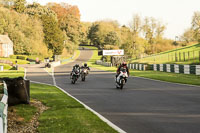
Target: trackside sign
113 52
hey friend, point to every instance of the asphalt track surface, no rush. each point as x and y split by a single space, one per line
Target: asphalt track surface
143 106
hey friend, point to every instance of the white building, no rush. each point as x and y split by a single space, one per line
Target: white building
6 46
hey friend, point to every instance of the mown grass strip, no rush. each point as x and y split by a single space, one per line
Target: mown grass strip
183 55
65 114
25 111
163 76
12 73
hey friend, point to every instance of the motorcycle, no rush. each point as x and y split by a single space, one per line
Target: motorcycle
122 78
74 76
84 73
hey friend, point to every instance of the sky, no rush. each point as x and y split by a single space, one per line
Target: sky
175 14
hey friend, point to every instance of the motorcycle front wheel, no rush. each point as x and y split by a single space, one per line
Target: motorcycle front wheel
73 81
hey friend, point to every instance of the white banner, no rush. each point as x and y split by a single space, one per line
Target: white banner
113 52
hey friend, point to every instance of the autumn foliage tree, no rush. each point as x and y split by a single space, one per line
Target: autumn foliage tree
69 21
25 32
53 36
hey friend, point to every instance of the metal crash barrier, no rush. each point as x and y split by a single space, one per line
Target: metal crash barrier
3 108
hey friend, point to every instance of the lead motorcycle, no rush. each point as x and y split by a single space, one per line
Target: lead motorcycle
84 73
122 78
74 76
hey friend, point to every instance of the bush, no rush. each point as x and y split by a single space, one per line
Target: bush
22 57
13 56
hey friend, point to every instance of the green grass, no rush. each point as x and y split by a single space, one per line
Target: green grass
6 66
163 76
169 77
191 54
65 114
76 55
18 60
25 111
89 47
12 73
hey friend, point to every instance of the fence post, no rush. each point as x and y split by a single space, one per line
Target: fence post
183 56
199 55
168 57
193 56
188 55
176 57
179 56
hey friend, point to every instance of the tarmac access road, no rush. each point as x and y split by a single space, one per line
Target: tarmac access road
143 106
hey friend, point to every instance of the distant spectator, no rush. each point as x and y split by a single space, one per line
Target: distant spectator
16 65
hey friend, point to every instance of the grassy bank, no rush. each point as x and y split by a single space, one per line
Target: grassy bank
12 73
169 77
184 55
163 76
64 113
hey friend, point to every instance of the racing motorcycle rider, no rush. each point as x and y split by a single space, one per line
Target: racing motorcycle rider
85 66
123 65
74 68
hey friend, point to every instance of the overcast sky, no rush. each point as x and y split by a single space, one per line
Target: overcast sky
176 14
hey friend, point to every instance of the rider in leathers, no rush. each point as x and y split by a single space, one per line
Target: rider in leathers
123 65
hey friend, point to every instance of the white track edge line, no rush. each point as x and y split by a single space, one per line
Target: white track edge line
96 113
87 107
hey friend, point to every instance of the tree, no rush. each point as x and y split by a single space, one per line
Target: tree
196 25
7 3
69 20
19 6
25 32
112 39
36 10
136 25
188 36
101 32
54 37
153 31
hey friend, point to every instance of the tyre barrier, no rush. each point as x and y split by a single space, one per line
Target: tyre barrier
175 68
141 67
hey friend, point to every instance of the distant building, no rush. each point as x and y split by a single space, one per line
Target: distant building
6 46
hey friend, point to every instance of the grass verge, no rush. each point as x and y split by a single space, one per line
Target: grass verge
65 114
25 111
163 76
12 73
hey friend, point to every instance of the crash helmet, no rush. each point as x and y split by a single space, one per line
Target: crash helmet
124 64
77 65
85 64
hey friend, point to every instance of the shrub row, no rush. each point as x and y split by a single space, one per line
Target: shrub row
21 57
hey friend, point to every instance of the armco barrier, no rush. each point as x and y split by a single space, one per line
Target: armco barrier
3 110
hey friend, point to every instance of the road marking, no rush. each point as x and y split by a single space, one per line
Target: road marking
87 107
96 113
167 82
54 80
